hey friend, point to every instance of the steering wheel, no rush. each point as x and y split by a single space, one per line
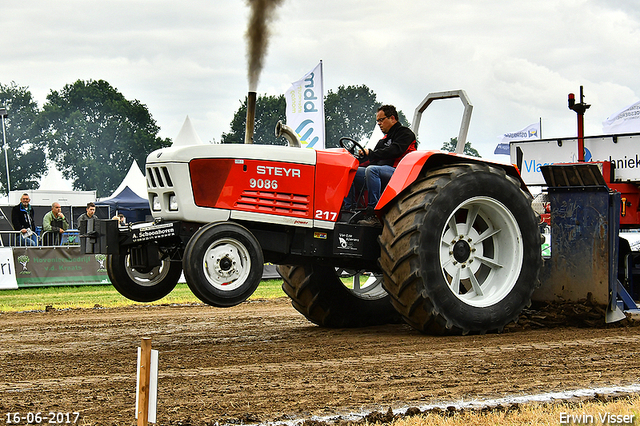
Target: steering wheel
353 147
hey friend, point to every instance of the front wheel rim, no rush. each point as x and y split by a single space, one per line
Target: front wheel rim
227 264
481 251
149 278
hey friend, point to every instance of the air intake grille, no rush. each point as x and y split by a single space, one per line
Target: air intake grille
158 177
274 203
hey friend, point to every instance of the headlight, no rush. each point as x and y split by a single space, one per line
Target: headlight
155 205
173 203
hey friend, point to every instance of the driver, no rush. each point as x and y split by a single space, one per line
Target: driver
377 165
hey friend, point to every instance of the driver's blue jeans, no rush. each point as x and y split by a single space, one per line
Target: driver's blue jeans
372 178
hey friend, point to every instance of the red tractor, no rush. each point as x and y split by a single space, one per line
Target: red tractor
459 250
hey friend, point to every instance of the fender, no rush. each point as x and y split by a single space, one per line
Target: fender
413 164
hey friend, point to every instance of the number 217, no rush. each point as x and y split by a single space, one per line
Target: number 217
322 215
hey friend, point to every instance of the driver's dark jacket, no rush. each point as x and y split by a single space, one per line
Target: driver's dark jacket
392 146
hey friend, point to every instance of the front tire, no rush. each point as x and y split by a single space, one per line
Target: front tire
223 264
318 293
461 250
142 286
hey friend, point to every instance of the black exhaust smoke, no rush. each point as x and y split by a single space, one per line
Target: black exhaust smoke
262 13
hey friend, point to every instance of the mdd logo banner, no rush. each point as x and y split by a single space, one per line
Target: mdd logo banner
305 109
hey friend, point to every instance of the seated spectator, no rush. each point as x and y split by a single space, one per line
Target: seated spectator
53 225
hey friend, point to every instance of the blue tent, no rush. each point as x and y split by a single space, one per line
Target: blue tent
127 202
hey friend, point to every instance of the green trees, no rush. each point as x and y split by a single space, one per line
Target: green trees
468 150
26 150
89 129
269 109
94 134
350 112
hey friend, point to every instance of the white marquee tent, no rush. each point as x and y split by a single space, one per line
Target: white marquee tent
187 135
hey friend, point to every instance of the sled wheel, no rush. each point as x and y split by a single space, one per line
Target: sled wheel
142 286
223 264
319 293
461 250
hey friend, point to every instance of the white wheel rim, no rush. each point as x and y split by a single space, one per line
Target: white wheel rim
481 251
365 285
227 264
147 279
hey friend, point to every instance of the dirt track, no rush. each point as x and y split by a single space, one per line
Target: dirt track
262 361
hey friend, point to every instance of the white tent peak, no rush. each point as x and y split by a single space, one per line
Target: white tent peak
187 135
53 179
135 180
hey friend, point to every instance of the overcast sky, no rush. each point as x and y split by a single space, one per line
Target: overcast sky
516 60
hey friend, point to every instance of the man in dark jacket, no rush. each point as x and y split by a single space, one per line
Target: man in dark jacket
382 160
22 220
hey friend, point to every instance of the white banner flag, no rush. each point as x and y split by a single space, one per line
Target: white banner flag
626 120
305 109
532 131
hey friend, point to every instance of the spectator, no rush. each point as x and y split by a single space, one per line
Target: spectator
121 219
91 210
53 225
22 220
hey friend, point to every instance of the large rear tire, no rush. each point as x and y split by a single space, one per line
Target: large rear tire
461 250
142 286
223 264
318 293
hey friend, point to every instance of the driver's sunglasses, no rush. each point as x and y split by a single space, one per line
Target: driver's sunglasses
380 120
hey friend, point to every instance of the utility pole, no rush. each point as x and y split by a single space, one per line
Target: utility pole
3 113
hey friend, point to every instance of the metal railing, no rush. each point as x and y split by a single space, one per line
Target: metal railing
47 239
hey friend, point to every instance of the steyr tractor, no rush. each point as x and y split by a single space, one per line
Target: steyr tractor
459 249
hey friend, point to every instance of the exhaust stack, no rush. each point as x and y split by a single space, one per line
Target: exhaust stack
288 133
251 117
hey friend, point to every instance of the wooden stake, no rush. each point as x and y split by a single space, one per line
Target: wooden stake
143 389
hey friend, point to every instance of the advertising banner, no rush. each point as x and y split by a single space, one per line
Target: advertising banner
305 109
58 266
623 152
7 270
531 132
627 120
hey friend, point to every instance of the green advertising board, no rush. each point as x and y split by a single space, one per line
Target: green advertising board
65 265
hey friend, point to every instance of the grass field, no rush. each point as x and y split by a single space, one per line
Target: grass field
88 296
